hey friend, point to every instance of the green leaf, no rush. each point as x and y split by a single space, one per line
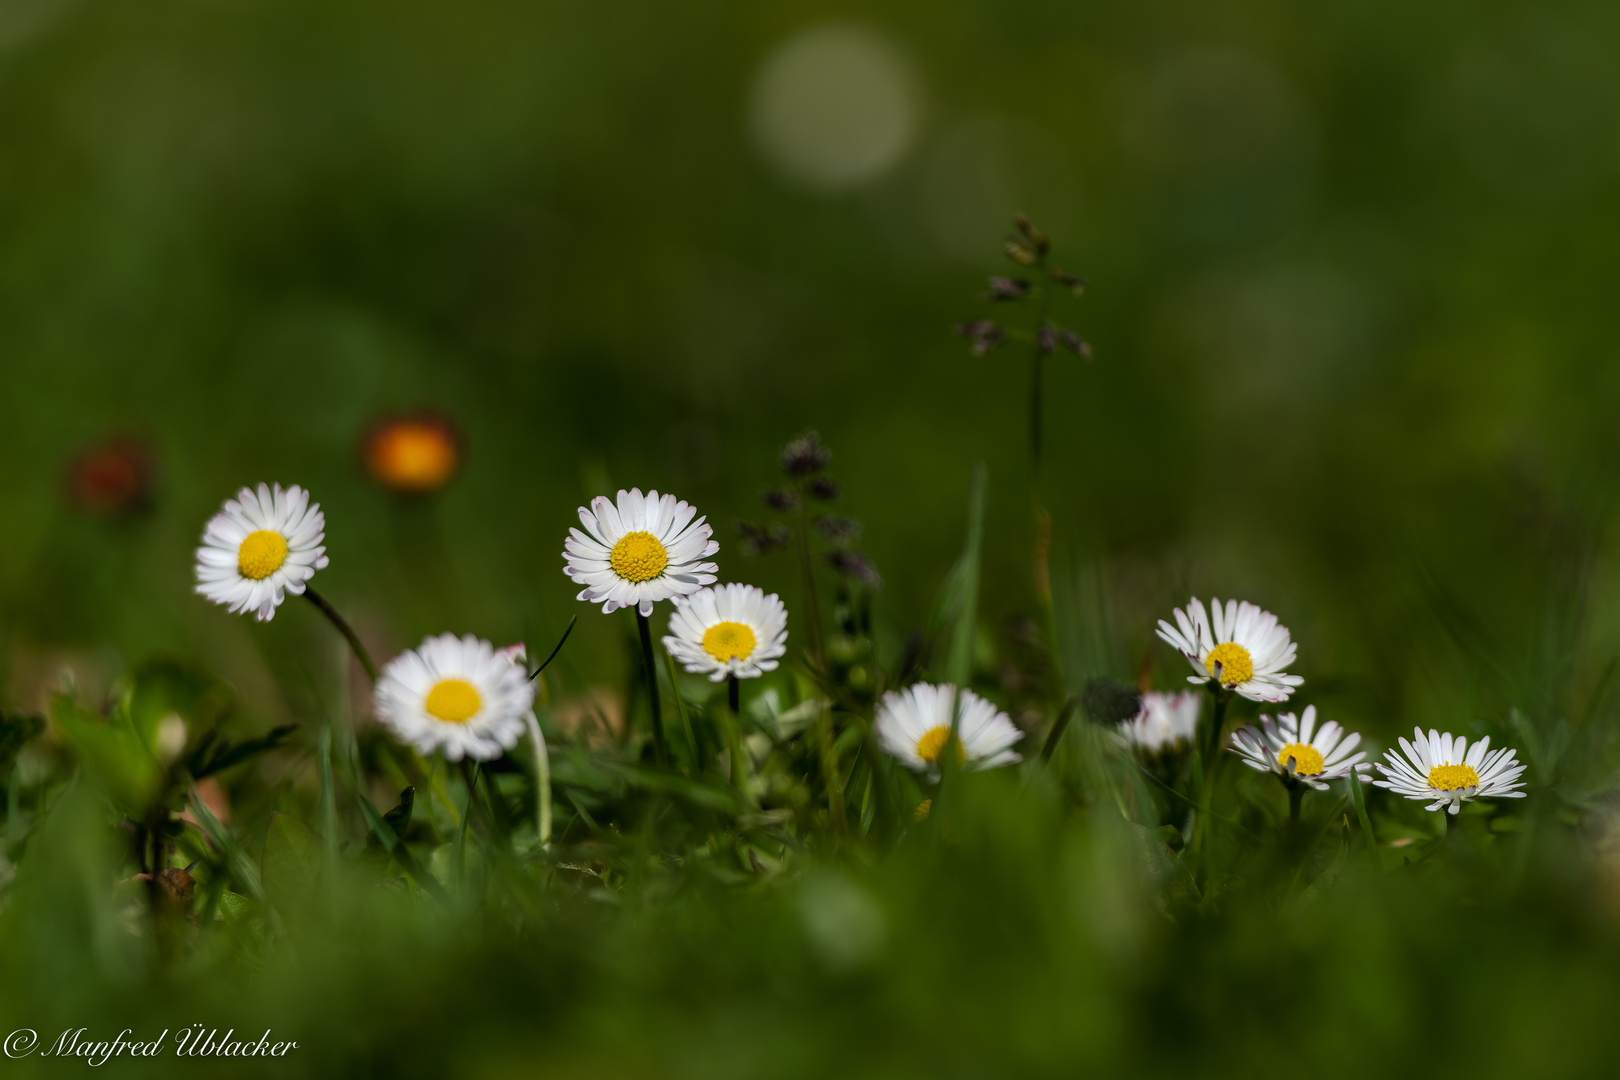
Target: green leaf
292 863
113 751
163 688
399 818
399 849
697 792
237 910
224 757
243 867
1359 800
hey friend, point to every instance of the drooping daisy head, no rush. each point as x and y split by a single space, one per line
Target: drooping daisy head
1165 722
914 725
261 546
1449 772
459 696
639 551
1244 647
728 630
1294 747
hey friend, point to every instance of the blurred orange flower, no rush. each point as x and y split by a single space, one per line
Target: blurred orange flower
111 478
414 454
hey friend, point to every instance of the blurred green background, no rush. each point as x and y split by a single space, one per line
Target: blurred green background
1351 268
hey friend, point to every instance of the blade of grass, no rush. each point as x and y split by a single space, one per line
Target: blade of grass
959 664
396 847
1360 802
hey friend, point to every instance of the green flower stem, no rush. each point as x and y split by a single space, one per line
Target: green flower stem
660 747
1204 769
542 780
1296 794
807 572
829 767
345 629
733 724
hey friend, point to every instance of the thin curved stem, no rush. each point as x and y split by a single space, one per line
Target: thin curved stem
343 628
560 643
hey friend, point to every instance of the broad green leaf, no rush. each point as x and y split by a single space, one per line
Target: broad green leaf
113 751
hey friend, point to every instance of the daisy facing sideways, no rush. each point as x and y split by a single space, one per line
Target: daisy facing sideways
1243 648
728 630
1165 722
914 725
263 545
1296 748
638 551
1450 772
461 697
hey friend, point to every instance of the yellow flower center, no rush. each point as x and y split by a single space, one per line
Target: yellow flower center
1235 663
932 744
1307 759
638 556
261 554
1453 777
454 701
729 641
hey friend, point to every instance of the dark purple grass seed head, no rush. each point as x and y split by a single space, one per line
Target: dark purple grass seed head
838 530
854 568
805 456
824 488
781 500
1006 288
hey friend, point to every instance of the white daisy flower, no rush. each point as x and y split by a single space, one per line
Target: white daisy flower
1166 721
640 551
263 545
1298 748
1244 647
728 630
458 696
914 725
1449 771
